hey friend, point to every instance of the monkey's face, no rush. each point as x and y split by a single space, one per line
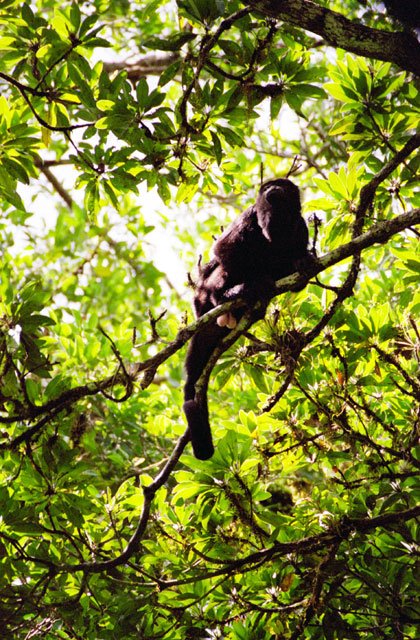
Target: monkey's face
279 192
278 207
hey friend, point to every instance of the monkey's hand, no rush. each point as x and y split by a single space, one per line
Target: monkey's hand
304 266
261 290
305 263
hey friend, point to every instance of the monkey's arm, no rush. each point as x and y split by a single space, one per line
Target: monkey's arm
240 248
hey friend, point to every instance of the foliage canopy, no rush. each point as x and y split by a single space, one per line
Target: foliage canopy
305 523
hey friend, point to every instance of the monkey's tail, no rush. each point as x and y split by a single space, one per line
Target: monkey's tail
200 349
200 432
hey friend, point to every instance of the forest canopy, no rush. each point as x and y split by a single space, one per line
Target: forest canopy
130 134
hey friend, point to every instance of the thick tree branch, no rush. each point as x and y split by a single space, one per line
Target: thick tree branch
401 48
379 233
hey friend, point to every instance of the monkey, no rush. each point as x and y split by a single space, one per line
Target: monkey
405 11
266 242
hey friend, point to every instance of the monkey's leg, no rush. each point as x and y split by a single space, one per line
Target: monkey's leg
200 349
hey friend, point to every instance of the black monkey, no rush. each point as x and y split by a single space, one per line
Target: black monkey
265 243
406 11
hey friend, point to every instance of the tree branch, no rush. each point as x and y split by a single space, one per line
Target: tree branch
336 533
55 183
400 48
149 493
379 233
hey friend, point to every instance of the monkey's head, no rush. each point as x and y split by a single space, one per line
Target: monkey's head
278 207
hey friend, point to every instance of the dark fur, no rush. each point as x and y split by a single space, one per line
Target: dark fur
265 243
406 11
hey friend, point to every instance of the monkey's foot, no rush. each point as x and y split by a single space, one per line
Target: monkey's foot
227 320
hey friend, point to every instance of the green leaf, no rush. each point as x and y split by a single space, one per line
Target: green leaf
341 92
105 105
87 24
186 191
231 137
217 147
27 14
169 73
309 90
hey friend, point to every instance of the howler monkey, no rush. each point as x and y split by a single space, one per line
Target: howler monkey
265 243
406 11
